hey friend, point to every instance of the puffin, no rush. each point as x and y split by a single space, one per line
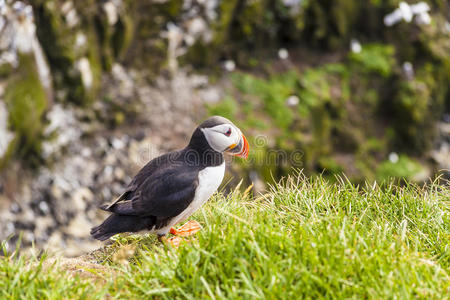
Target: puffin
171 187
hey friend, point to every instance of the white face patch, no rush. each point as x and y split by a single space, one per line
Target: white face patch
221 137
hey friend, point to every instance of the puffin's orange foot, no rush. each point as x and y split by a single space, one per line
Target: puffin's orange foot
187 229
174 241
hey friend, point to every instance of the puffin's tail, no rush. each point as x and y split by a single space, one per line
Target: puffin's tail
115 224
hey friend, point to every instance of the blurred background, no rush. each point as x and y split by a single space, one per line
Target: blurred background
92 90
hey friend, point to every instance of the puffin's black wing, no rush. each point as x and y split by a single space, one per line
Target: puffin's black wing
166 192
158 163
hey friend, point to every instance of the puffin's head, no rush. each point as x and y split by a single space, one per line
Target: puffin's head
224 136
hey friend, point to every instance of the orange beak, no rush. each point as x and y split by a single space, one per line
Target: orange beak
245 148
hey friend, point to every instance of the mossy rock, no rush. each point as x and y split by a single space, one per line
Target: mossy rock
26 101
331 24
417 106
114 39
123 36
145 20
258 26
58 40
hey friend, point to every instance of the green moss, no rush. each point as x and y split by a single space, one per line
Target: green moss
434 39
93 55
375 58
55 37
221 28
201 56
307 127
405 167
315 90
257 25
58 40
26 101
418 103
272 92
122 37
337 111
114 40
329 165
170 9
104 38
148 49
368 156
226 108
331 25
5 70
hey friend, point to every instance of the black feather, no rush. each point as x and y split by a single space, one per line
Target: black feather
118 223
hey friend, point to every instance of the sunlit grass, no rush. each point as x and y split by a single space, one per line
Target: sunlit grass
303 239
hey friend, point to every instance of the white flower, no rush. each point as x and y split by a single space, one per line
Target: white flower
408 70
355 46
393 18
393 157
423 18
229 65
283 53
292 100
405 9
80 40
406 12
419 8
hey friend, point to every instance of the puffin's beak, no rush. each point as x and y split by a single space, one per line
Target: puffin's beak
241 149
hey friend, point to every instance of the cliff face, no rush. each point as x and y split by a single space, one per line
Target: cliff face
90 90
61 51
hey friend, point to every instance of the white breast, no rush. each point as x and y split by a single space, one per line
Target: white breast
209 180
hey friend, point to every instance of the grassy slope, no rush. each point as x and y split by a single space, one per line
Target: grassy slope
306 238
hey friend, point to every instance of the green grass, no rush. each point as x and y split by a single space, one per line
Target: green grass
306 238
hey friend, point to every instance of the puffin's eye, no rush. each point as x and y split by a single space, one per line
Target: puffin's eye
228 133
